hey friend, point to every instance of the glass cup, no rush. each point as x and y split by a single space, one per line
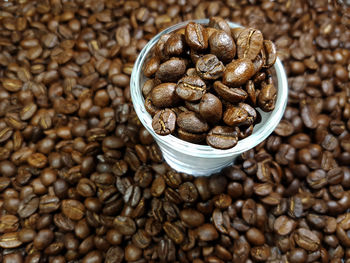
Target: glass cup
195 159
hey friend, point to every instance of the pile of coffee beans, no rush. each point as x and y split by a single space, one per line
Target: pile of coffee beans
206 81
82 181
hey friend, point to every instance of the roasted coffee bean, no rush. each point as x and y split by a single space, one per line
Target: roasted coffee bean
222 45
173 232
207 232
238 72
307 239
164 122
191 137
209 67
222 137
219 23
270 53
284 225
232 95
196 36
234 116
151 67
190 88
210 108
164 95
125 225
249 43
267 97
171 70
73 209
175 45
191 122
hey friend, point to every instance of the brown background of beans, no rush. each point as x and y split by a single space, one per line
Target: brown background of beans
82 181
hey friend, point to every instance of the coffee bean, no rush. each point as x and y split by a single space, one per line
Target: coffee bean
207 232
191 122
43 238
249 43
196 36
222 45
188 192
73 209
222 137
234 116
255 237
233 95
191 137
164 122
8 223
173 232
267 97
10 240
270 53
125 225
210 108
238 72
192 217
151 67
164 95
284 225
209 67
171 70
175 45
219 23
307 239
190 88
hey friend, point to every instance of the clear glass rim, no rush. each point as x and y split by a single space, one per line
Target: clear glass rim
204 150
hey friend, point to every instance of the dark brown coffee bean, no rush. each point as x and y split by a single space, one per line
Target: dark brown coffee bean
8 223
207 232
171 70
191 122
234 116
125 225
151 67
173 232
270 53
255 237
284 225
164 95
164 122
284 128
191 137
298 255
43 238
210 108
191 217
307 239
222 45
249 43
209 67
49 203
190 88
238 72
73 209
28 206
267 97
219 23
196 36
10 240
175 45
222 137
232 95
188 192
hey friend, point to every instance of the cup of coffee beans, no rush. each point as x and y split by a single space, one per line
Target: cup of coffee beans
208 90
